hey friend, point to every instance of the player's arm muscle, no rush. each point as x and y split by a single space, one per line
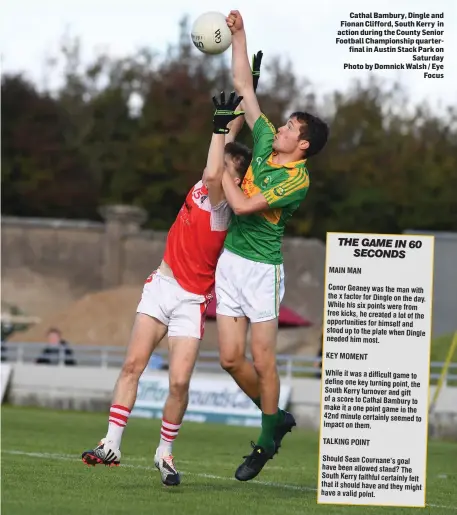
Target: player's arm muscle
238 201
215 169
235 127
242 78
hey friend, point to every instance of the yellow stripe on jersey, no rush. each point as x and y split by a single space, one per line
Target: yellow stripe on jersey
297 180
269 124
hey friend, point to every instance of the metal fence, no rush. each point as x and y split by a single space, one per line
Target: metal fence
113 357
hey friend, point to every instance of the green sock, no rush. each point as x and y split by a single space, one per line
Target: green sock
280 412
268 430
281 415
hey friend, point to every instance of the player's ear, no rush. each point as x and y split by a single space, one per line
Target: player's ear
303 145
237 181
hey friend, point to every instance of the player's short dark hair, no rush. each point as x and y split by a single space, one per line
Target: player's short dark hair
313 130
241 156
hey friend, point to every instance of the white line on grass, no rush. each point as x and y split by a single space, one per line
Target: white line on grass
188 462
71 457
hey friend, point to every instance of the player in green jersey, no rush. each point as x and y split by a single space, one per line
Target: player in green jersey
250 273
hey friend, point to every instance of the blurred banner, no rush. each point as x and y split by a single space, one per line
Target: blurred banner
217 400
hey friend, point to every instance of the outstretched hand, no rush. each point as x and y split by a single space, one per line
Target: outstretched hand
234 22
256 62
225 112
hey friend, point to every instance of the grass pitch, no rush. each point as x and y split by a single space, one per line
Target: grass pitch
42 473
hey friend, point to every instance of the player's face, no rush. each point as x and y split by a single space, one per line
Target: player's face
231 168
287 138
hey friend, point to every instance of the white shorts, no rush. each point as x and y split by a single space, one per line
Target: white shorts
248 288
182 312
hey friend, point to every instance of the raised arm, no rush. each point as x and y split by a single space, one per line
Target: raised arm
241 69
235 127
214 155
212 176
224 114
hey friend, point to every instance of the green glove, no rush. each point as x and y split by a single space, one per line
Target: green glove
225 112
256 62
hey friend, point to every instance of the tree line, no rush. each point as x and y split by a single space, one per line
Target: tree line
136 130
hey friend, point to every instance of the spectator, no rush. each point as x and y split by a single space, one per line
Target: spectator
56 345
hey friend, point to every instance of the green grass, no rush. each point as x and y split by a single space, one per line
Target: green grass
60 484
439 352
440 349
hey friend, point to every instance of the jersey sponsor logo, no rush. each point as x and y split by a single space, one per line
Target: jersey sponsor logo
248 186
248 178
250 189
184 213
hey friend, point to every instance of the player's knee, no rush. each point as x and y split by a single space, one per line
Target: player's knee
265 366
179 387
231 362
132 368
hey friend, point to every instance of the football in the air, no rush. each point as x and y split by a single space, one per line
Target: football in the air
210 33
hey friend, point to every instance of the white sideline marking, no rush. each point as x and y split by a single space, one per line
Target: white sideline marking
71 457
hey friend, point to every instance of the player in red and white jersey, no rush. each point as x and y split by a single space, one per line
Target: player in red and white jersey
196 238
176 295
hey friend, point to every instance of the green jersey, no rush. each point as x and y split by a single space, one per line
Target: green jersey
258 236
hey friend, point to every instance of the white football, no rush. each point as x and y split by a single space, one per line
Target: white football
210 33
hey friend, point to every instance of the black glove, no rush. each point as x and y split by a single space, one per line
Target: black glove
256 62
225 112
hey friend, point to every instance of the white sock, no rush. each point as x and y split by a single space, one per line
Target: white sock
168 434
118 417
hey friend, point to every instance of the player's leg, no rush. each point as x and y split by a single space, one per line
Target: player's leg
276 423
146 334
232 326
185 332
183 354
262 294
233 277
232 333
149 328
